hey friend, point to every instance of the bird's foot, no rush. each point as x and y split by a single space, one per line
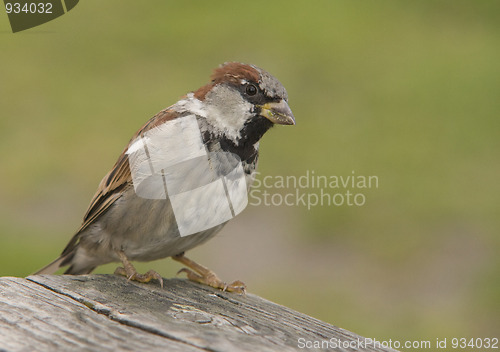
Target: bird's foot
210 279
130 273
135 276
205 276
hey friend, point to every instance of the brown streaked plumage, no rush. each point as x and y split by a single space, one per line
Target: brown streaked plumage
110 187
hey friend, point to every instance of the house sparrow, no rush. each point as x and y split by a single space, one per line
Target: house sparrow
183 167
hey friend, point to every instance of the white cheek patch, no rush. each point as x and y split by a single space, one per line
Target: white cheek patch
171 162
227 112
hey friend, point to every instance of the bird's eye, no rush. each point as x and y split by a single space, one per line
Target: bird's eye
251 89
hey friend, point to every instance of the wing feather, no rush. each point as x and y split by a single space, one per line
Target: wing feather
115 182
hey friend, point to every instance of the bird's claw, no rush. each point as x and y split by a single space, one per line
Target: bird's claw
213 280
143 278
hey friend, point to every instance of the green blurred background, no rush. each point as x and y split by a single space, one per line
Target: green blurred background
406 91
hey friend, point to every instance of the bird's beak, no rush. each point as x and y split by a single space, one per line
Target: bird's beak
278 113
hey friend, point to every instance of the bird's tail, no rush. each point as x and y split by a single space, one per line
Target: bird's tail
75 268
52 267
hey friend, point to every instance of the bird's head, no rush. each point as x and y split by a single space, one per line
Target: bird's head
242 102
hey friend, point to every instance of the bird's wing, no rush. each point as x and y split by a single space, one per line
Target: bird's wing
116 181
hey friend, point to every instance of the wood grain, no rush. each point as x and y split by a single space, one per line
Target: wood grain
109 313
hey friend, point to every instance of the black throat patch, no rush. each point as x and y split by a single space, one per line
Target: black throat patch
250 134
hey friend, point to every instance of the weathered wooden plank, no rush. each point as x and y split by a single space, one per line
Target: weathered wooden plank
33 318
107 312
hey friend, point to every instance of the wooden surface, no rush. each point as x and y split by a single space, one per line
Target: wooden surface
109 313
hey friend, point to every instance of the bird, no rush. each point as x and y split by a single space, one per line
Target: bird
182 167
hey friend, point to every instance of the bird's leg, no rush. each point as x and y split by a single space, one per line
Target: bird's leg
205 276
130 273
